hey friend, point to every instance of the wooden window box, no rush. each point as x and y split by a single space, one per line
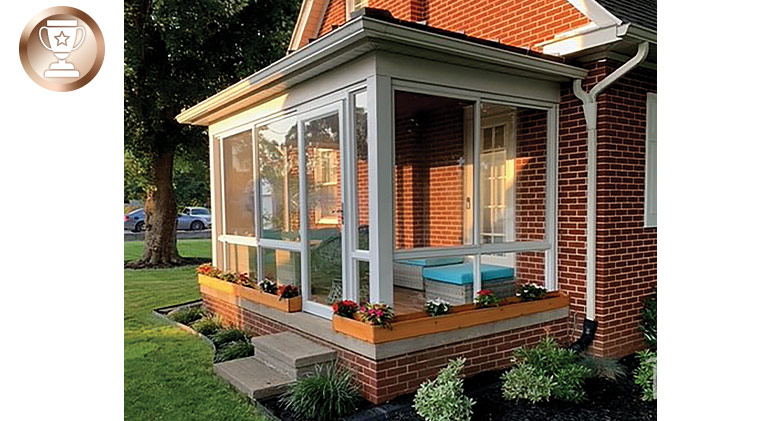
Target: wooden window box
289 305
411 325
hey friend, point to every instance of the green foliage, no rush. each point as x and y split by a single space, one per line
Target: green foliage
547 359
208 325
605 368
328 394
186 316
531 292
442 398
645 374
648 325
226 336
233 350
523 382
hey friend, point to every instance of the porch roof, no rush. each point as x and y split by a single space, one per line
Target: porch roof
374 30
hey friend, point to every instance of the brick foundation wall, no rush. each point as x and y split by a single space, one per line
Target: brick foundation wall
383 380
521 23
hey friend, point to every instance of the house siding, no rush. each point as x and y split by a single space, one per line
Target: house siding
520 23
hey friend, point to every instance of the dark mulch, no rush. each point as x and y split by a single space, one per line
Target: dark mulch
607 401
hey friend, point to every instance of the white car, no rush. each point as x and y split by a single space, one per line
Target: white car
200 213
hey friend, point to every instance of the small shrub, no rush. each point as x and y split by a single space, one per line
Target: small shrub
186 316
345 308
233 350
208 325
547 359
226 336
377 314
288 291
644 376
269 285
648 326
437 307
485 298
604 368
442 398
531 292
523 382
328 394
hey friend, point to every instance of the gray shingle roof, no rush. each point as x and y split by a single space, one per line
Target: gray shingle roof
641 12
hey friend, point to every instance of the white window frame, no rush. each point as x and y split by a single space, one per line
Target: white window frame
352 5
548 246
651 161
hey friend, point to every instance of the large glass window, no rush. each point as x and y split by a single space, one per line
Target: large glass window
239 186
277 151
282 266
361 169
241 259
323 183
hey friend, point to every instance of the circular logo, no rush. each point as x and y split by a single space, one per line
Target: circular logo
61 48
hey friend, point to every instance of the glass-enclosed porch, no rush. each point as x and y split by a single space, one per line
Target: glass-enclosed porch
408 168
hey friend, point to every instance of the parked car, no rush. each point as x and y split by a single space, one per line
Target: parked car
134 221
204 213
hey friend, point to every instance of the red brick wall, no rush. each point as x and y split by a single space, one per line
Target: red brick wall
625 251
383 380
521 23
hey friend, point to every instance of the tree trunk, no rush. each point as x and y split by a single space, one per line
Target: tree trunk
161 215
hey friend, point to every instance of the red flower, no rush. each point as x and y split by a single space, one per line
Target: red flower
485 292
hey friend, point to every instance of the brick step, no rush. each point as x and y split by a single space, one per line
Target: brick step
291 354
251 376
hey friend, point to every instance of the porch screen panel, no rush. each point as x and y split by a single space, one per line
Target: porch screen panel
515 269
216 206
361 170
282 266
277 150
431 163
241 259
323 183
513 166
239 185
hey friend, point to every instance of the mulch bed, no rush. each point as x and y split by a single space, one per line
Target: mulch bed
607 401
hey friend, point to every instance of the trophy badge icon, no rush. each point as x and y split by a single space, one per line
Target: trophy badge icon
63 39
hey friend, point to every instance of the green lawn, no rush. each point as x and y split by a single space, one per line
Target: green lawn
187 248
168 372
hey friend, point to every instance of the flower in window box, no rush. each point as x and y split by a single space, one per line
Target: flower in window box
377 314
208 270
531 292
244 280
269 286
288 291
437 307
485 298
345 308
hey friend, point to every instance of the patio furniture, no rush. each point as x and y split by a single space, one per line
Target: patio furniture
455 283
409 273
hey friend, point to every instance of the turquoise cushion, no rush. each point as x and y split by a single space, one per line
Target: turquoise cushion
439 261
462 274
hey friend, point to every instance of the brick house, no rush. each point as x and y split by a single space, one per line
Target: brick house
391 101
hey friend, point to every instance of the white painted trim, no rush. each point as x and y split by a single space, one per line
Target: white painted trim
300 25
222 190
551 202
476 205
213 193
258 210
595 12
238 240
651 215
268 243
471 250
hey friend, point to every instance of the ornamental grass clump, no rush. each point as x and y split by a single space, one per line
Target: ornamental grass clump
648 326
485 298
437 307
186 316
234 350
545 364
377 314
531 292
225 336
345 308
208 326
442 399
328 394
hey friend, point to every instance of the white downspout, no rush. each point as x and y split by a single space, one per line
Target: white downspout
590 108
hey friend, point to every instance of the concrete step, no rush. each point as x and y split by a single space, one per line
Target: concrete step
292 354
252 377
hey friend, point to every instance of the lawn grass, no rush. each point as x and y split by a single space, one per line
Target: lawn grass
168 372
187 248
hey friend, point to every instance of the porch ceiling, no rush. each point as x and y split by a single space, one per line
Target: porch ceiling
369 32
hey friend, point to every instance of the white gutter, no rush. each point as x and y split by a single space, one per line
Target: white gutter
590 108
